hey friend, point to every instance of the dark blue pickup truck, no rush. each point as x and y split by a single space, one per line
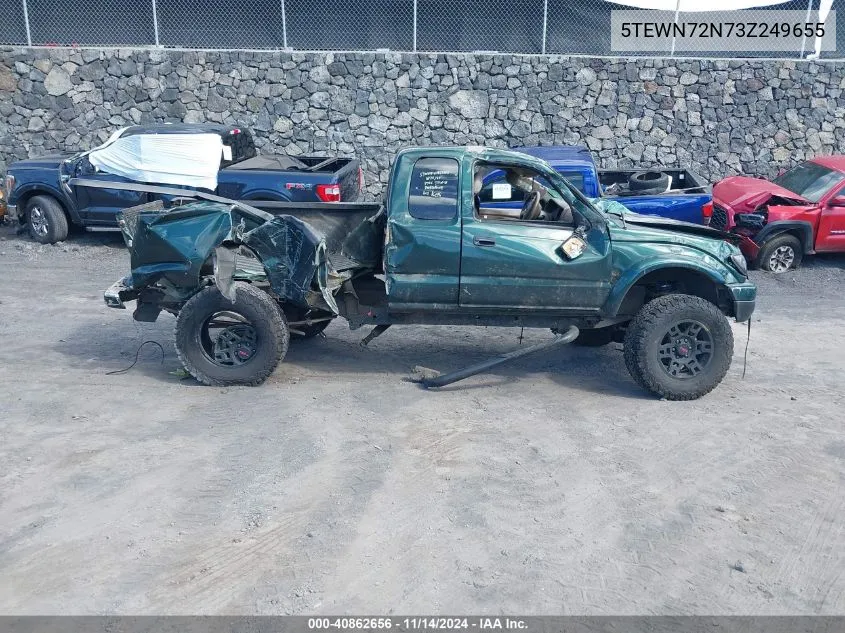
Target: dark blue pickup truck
42 198
678 194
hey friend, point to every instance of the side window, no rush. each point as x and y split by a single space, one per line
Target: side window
497 189
520 193
434 189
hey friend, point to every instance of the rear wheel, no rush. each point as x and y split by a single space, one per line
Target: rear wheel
222 343
46 220
679 347
781 254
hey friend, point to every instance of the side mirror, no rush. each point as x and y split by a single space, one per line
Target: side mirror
837 201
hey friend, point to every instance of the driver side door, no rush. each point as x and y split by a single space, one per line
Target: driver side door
98 206
507 263
831 234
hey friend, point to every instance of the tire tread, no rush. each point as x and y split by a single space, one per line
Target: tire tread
245 293
57 224
644 323
775 242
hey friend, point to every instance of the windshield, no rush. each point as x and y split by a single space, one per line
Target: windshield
576 178
809 180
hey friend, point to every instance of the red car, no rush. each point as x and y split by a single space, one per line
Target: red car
800 212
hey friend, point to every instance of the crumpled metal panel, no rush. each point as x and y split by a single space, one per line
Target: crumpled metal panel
365 243
291 252
175 245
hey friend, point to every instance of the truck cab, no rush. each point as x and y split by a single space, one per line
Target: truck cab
452 246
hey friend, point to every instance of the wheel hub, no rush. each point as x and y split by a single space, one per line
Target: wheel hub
782 259
683 347
686 349
38 221
235 345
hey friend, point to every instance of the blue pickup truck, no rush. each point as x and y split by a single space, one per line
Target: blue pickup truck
42 198
678 194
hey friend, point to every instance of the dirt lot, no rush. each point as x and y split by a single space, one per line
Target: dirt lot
552 486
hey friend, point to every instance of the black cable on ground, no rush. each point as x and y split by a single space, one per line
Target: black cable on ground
134 362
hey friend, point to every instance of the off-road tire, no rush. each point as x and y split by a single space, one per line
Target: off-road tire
651 324
788 241
594 338
651 181
259 309
53 216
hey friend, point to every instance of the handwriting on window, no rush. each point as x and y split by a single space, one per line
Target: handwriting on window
435 182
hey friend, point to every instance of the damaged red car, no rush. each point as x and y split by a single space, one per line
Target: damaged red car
801 212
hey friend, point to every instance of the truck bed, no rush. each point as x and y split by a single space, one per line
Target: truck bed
680 181
336 220
280 162
294 178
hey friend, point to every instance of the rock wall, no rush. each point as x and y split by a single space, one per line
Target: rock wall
717 117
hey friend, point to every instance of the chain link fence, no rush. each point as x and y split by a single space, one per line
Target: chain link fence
580 27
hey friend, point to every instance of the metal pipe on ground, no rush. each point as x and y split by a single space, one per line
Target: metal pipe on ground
432 379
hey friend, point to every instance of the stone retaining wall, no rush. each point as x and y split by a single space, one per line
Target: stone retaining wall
717 117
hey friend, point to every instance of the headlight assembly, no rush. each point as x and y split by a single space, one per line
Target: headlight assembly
738 260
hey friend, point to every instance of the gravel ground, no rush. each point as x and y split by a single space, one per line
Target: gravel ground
551 486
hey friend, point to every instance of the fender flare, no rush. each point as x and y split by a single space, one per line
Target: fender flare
29 190
803 229
630 279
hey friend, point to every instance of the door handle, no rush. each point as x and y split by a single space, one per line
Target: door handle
483 241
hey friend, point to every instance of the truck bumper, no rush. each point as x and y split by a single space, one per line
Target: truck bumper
745 297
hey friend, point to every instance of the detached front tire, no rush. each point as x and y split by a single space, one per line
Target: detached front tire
222 343
46 220
679 347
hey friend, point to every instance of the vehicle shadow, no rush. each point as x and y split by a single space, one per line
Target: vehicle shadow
115 345
11 232
111 238
594 370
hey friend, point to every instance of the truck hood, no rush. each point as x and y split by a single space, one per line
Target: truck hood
630 226
677 226
51 161
741 193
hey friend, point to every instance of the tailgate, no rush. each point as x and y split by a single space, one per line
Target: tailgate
349 178
344 172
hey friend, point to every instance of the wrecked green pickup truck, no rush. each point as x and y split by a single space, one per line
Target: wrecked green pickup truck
243 281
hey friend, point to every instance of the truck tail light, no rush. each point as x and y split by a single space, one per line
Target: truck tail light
328 193
10 183
360 179
707 212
